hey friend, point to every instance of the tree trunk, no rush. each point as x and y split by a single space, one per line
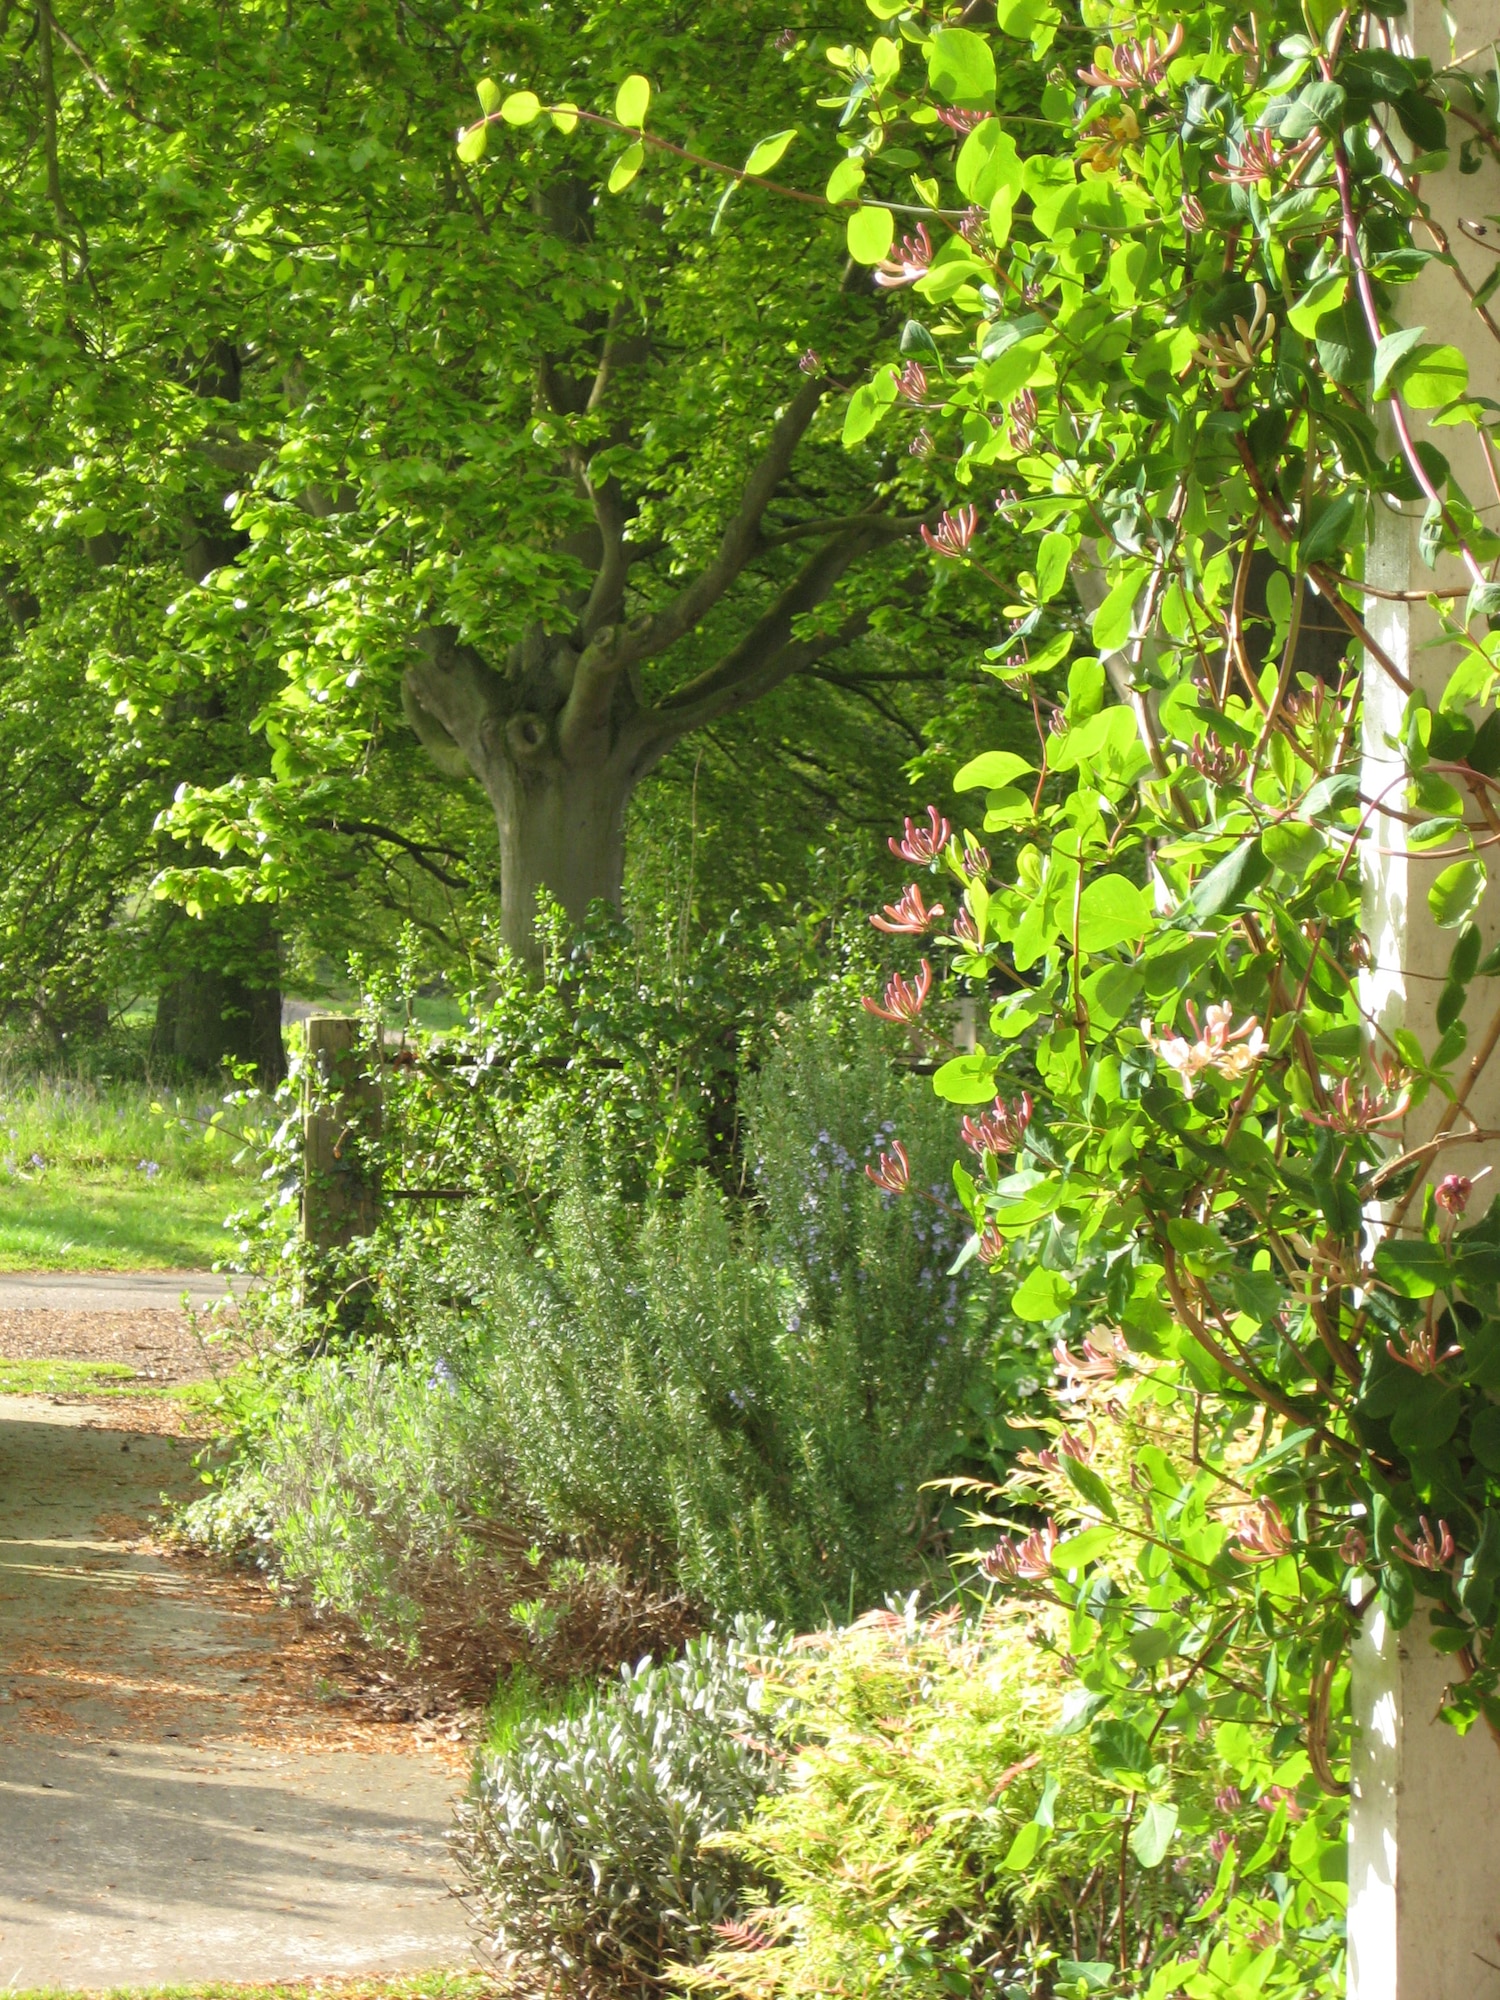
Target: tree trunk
561 829
206 1018
558 788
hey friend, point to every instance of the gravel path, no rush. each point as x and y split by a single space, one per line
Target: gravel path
185 1791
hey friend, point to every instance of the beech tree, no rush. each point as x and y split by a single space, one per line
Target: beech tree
418 444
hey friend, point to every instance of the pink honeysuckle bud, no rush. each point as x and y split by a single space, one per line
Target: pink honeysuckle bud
909 916
920 843
907 263
955 531
911 383
1001 1129
894 1172
903 1000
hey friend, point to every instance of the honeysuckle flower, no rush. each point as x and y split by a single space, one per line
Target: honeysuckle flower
1096 1364
1230 354
894 1172
1422 1352
1077 1445
1218 762
961 121
966 930
912 382
1262 1533
976 859
920 843
1230 1799
907 263
955 530
1353 1549
921 445
971 226
1135 65
1428 1551
1233 1052
1193 217
991 1245
903 1000
1031 1560
1255 159
909 916
810 361
1246 42
1022 415
1351 1111
1001 1129
1452 1193
1219 1845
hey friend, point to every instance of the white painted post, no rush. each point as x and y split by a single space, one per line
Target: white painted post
1424 1828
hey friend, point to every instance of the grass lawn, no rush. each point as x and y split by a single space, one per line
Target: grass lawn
113 1177
105 1222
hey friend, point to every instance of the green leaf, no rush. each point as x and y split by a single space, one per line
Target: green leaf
967 1079
1321 104
1041 1294
1324 296
961 68
1111 623
1089 1485
991 770
521 107
1332 529
1427 1414
488 93
1076 1551
1413 1270
869 404
1052 560
632 101
1455 895
1292 846
1393 348
1024 1849
1484 1437
472 145
1152 1834
1228 882
769 151
1433 376
870 234
1112 911
846 180
625 169
988 164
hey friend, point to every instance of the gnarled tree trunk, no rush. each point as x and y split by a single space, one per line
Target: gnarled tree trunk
560 734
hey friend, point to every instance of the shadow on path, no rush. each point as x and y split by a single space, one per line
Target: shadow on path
174 1806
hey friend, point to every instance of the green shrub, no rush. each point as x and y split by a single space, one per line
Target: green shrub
647 1412
584 1845
942 1831
744 1408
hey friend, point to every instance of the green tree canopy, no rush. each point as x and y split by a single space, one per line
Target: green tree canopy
316 426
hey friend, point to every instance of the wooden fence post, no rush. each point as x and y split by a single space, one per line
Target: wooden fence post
341 1115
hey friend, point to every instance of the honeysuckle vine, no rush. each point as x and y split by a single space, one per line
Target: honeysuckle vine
1155 315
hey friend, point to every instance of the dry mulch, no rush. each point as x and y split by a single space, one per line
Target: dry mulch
161 1343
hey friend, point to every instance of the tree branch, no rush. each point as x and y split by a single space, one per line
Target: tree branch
740 537
894 526
766 640
592 694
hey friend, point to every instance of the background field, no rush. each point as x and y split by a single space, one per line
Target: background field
100 1176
